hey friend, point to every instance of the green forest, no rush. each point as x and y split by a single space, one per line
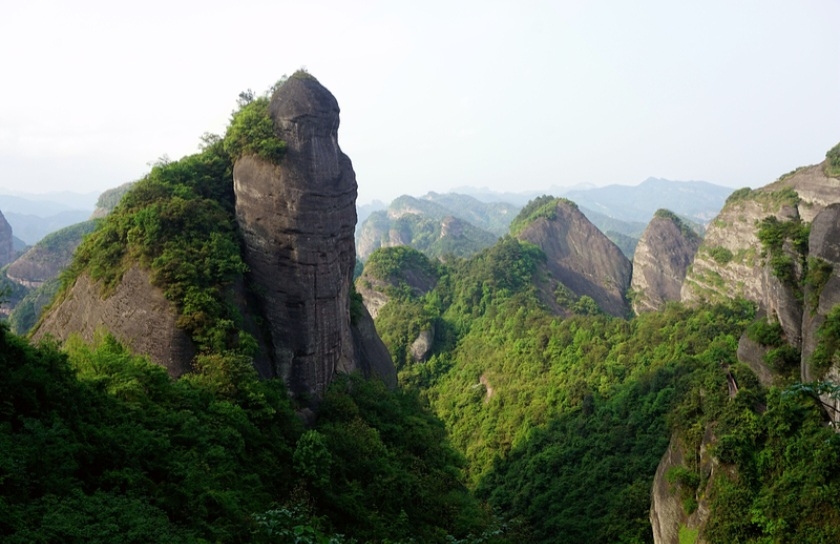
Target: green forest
518 426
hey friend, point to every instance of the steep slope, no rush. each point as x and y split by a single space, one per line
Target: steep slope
578 254
297 217
38 270
662 256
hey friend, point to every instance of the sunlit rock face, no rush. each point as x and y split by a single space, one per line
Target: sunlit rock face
660 262
581 257
298 219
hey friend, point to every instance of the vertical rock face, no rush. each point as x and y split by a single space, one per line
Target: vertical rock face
661 260
7 245
824 244
298 219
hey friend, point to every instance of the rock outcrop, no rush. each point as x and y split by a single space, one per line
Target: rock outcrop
136 313
297 220
7 244
581 257
662 257
822 295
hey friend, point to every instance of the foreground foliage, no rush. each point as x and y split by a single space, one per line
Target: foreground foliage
102 446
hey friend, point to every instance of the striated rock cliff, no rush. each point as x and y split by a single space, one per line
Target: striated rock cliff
7 244
581 257
137 314
822 292
297 220
662 256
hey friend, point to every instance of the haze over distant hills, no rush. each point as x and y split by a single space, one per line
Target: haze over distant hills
33 216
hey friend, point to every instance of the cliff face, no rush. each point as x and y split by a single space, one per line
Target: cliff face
824 247
297 219
137 314
660 262
7 244
581 257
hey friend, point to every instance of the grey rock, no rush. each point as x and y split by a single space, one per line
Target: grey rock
298 219
581 257
660 262
136 313
7 244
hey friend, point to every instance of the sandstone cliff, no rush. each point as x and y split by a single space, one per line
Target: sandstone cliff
297 220
137 314
822 294
581 257
661 259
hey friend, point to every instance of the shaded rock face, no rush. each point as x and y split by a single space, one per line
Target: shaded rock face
660 262
824 244
582 258
7 243
298 219
137 314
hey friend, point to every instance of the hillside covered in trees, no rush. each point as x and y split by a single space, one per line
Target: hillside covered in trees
517 408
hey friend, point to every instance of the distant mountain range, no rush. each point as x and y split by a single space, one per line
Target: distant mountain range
33 216
620 211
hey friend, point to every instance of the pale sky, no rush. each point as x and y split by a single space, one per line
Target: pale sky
509 95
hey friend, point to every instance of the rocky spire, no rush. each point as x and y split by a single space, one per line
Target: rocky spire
298 219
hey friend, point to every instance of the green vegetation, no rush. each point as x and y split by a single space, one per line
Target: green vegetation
686 229
720 255
825 354
251 132
740 194
101 446
110 198
832 167
773 233
817 274
395 263
541 207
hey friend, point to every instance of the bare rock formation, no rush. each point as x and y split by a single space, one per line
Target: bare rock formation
298 219
136 313
581 257
824 252
660 262
7 244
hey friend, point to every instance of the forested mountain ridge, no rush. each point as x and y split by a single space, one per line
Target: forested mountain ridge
564 421
439 225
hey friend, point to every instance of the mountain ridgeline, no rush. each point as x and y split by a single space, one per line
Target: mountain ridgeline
210 371
689 422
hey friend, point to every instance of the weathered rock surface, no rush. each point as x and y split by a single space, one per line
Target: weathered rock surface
667 515
581 257
136 313
824 244
421 348
660 261
7 244
297 219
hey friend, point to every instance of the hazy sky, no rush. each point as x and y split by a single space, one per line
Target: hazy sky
512 95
